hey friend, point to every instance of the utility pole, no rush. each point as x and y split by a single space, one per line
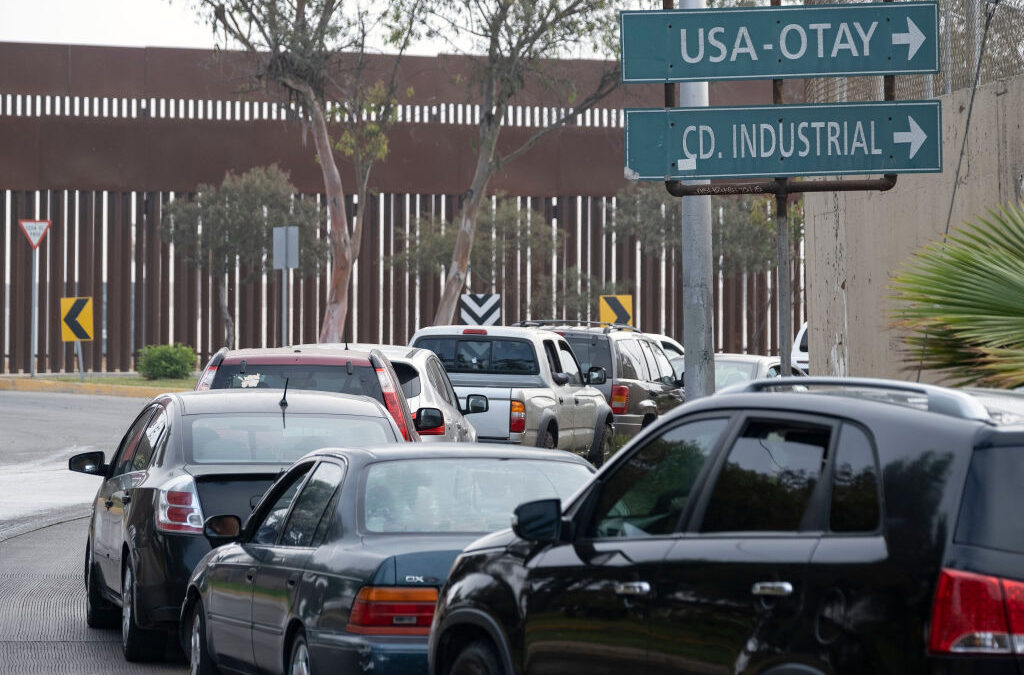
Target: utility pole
698 271
784 292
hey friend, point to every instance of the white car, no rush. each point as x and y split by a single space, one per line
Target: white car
799 352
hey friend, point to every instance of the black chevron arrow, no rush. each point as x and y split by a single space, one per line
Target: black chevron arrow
71 319
621 314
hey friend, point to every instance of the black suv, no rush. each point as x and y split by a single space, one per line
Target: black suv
641 383
861 526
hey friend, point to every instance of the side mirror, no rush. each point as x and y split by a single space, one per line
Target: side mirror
596 375
560 378
220 530
428 419
90 463
476 403
539 521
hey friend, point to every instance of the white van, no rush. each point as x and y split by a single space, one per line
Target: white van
799 353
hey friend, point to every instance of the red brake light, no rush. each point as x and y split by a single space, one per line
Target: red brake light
391 401
206 380
620 399
969 614
474 331
383 610
179 509
516 417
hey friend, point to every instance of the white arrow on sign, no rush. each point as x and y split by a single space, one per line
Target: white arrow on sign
916 137
913 37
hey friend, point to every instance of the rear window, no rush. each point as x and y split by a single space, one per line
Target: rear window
590 351
468 494
480 354
359 379
255 438
995 482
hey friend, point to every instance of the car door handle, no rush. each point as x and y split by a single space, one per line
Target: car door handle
108 503
291 581
576 400
561 400
126 500
250 574
772 589
632 588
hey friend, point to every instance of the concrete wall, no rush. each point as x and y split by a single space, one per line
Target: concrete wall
857 241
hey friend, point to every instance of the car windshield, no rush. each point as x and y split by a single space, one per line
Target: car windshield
482 354
357 379
728 373
460 495
247 438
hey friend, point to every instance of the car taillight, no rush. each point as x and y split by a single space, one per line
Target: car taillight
179 509
206 379
620 399
516 417
392 610
977 614
391 401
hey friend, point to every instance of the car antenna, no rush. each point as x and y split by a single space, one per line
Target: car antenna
284 401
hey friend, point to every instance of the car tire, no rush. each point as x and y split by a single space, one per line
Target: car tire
601 448
199 660
477 658
99 612
547 439
138 644
298 657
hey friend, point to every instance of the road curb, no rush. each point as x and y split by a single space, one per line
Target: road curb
89 388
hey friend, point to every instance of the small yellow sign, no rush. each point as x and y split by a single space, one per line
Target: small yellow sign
616 309
76 319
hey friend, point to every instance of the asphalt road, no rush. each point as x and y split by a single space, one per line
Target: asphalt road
38 433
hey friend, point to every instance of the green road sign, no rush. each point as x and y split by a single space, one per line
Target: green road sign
784 140
745 43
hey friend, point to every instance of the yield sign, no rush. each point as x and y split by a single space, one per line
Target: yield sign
75 319
35 230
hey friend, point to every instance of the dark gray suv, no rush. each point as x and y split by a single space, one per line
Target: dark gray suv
641 383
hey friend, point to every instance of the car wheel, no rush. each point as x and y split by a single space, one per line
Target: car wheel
99 612
547 439
137 643
298 661
478 658
199 660
601 449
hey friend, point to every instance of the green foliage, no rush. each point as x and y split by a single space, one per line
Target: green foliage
962 302
166 361
234 223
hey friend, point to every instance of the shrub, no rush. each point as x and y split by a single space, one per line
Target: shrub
166 361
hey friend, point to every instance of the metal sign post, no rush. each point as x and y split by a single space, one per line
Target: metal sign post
34 231
286 257
76 325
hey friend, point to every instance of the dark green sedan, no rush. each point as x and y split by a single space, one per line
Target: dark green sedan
338 567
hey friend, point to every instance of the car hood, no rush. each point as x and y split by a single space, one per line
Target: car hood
499 539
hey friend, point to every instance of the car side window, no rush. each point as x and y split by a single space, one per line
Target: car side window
310 505
768 477
571 368
774 371
446 381
439 381
123 460
273 519
149 441
553 362
631 350
855 506
646 496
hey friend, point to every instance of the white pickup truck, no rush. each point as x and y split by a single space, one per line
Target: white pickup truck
536 391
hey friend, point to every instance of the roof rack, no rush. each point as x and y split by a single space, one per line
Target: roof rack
938 399
547 323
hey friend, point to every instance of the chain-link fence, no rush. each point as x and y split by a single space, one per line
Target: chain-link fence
961 28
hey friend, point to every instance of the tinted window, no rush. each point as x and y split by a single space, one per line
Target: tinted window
854 484
803 341
460 495
310 505
647 495
591 350
361 381
273 520
768 478
445 385
123 463
569 364
554 363
409 377
501 356
995 482
630 351
258 438
657 362
149 441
